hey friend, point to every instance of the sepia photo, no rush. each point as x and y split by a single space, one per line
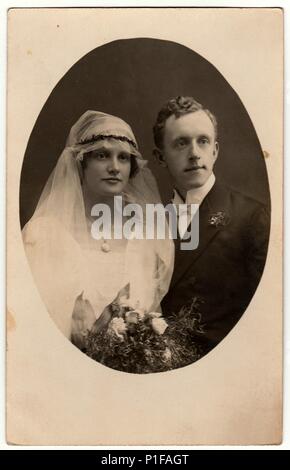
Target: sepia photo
145 221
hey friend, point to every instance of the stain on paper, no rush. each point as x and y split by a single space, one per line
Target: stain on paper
10 322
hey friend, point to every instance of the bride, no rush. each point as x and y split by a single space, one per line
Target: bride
77 275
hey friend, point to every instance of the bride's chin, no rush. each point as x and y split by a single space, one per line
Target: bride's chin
105 196
113 193
113 190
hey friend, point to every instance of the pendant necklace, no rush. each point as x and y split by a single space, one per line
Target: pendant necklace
105 247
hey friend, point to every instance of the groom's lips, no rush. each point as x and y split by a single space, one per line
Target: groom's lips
194 168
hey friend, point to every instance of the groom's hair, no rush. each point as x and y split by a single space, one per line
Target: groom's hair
178 106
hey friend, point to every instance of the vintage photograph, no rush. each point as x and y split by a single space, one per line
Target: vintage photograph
145 202
144 305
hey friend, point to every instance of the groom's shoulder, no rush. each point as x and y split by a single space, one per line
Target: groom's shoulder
244 212
238 201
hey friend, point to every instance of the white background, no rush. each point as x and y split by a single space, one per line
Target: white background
3 44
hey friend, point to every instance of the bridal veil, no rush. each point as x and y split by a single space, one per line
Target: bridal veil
61 251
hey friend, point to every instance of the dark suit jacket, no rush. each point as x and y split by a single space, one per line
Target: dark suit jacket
225 269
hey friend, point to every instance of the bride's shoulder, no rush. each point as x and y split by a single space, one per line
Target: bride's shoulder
40 229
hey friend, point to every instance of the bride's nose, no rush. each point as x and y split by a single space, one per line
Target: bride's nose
113 165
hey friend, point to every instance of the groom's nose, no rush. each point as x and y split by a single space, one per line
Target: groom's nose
193 151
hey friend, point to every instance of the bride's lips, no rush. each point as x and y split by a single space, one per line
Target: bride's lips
112 180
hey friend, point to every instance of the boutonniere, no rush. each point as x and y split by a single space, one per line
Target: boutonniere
219 219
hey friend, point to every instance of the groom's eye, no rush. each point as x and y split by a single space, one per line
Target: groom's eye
181 143
203 140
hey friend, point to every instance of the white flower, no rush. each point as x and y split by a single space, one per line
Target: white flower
141 313
131 316
118 326
154 314
159 325
167 354
148 353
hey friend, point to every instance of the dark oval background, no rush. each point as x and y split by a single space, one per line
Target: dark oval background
132 78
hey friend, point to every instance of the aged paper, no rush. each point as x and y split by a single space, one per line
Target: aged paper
55 394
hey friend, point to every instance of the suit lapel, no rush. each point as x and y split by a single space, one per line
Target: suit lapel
217 201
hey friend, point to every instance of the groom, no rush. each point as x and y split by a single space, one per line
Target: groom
227 265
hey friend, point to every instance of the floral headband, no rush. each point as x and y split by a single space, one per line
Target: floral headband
92 143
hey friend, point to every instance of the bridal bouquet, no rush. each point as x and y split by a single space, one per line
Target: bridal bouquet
137 341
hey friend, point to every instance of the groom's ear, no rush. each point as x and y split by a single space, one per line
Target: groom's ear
158 154
216 150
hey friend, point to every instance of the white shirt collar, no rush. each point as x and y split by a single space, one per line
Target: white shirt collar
195 195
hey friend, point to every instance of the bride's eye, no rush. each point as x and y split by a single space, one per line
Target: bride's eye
100 155
124 157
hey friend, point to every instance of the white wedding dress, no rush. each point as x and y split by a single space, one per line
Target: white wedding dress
62 271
